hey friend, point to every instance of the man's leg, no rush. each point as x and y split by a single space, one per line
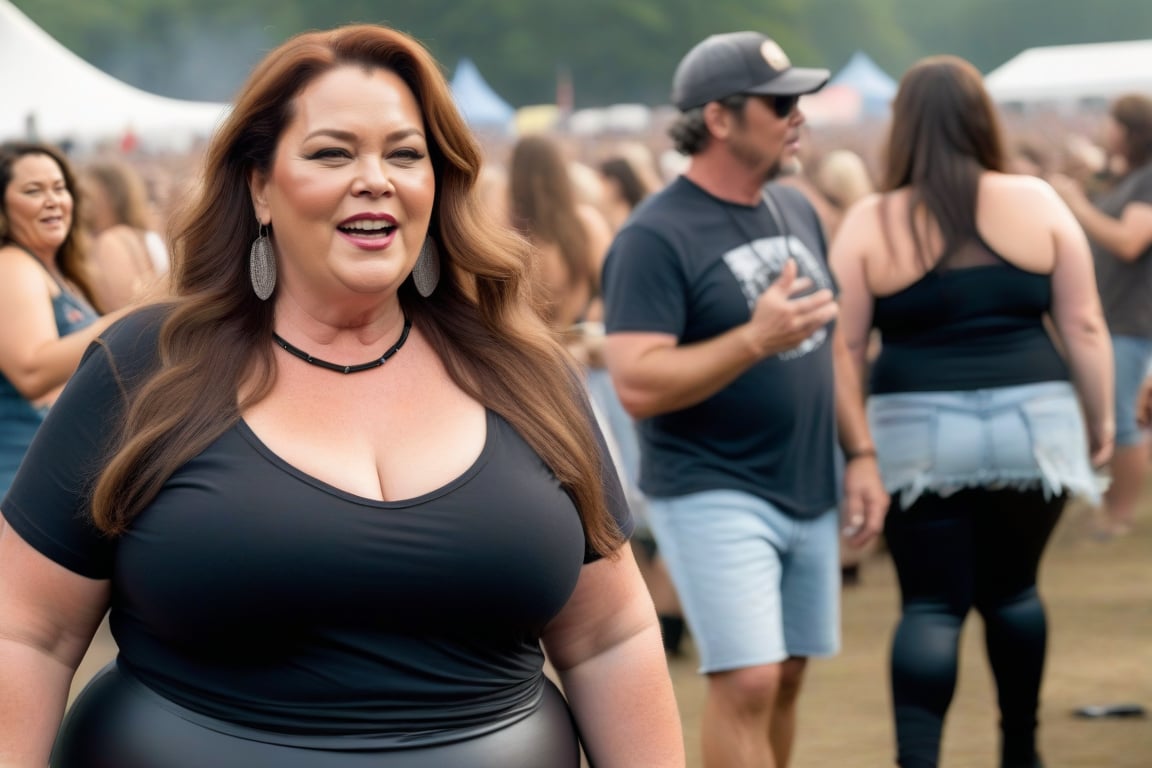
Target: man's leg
1129 465
1129 468
723 550
783 729
738 717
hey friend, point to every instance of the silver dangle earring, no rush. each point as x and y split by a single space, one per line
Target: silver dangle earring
262 265
426 272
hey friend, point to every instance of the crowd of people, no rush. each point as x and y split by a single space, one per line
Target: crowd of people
382 445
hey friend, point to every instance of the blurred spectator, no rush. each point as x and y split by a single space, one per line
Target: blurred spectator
1118 222
843 178
624 188
47 317
1030 158
570 236
127 255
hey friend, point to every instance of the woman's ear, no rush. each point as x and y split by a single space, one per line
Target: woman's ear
258 188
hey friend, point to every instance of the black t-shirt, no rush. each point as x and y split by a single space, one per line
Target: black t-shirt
692 265
1125 286
252 592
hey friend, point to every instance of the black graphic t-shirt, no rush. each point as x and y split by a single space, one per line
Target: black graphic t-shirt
692 265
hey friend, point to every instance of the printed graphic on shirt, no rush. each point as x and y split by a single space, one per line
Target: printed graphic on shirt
756 265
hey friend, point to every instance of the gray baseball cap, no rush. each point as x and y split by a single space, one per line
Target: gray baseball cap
739 62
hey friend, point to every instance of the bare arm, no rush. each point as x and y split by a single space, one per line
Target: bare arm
1128 236
865 500
1079 322
48 616
605 645
33 356
847 257
120 266
654 374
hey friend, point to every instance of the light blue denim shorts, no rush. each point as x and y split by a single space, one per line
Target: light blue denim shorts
1133 357
756 585
1029 436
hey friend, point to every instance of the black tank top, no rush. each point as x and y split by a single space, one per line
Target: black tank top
972 322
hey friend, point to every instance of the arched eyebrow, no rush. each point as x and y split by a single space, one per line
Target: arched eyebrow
348 136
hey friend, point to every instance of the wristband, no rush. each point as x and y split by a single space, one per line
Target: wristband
859 454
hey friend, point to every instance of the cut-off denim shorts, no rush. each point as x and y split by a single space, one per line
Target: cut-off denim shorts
1028 436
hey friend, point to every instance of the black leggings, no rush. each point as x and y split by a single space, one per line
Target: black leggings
119 723
974 549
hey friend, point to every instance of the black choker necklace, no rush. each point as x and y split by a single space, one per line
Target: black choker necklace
296 351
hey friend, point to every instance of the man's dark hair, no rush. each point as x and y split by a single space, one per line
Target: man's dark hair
690 134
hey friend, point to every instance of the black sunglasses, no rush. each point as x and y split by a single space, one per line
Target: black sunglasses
782 106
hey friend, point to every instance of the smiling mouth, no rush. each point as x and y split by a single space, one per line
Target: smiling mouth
367 228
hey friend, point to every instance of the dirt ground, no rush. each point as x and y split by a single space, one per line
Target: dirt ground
1099 597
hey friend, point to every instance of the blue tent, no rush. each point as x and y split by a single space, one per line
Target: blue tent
481 106
875 86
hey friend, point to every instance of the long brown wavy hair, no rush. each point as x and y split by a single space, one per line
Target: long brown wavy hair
944 134
70 256
218 334
542 207
124 189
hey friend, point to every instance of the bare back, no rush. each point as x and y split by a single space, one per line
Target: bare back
1012 218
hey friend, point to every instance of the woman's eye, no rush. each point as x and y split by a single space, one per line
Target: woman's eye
329 153
411 155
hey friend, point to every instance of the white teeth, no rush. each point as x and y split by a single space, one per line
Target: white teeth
368 225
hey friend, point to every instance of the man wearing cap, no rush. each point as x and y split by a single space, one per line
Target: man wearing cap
719 310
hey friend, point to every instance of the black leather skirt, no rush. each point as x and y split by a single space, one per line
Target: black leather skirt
117 722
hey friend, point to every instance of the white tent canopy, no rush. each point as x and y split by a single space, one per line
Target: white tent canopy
1065 74
48 91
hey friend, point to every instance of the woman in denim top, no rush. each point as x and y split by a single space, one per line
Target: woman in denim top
47 318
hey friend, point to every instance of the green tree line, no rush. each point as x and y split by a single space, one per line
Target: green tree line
612 50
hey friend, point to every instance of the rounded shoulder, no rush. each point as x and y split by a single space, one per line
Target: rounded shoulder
120 230
871 201
14 260
1033 187
22 280
866 211
11 251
